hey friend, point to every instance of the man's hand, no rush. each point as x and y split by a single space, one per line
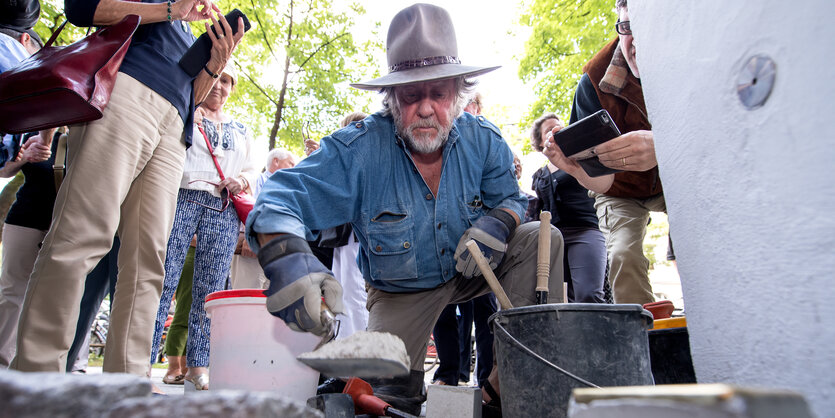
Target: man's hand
297 283
246 251
34 151
551 150
310 146
490 234
632 151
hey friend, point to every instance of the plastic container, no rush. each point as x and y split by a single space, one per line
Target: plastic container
603 344
669 352
253 350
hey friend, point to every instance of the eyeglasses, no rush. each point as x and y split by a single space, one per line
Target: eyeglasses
623 28
224 197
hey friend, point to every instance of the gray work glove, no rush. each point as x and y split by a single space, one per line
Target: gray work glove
298 282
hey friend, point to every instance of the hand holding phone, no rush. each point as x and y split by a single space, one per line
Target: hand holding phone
200 51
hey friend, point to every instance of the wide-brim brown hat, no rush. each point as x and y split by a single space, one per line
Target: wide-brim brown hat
421 46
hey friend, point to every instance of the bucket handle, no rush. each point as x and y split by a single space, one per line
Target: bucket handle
540 358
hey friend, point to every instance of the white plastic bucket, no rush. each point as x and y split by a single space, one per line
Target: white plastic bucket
253 350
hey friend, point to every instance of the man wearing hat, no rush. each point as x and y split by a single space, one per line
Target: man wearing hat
17 41
416 181
17 18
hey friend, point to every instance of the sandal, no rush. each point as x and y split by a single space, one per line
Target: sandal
174 380
492 409
201 381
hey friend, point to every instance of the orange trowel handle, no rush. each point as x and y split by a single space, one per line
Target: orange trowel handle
364 400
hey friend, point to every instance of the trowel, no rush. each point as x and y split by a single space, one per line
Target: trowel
364 354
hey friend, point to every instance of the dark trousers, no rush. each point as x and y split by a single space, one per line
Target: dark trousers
453 340
100 281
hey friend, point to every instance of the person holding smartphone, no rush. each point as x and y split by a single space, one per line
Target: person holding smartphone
122 176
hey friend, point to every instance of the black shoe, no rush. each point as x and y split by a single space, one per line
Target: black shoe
331 385
406 393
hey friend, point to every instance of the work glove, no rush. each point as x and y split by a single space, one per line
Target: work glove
490 232
298 281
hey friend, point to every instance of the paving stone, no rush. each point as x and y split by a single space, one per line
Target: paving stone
453 401
59 395
213 404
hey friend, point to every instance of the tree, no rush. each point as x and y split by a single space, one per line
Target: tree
295 65
565 35
52 16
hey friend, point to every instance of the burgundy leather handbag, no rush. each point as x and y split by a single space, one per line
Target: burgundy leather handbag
243 201
63 85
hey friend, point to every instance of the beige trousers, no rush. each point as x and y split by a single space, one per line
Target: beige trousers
123 175
411 316
20 249
246 273
624 223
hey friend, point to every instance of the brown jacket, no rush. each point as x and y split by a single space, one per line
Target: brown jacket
621 94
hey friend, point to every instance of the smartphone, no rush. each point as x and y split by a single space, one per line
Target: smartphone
577 141
196 57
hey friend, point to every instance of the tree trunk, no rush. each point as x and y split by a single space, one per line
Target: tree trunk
280 106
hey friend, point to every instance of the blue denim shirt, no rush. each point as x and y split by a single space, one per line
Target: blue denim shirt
364 175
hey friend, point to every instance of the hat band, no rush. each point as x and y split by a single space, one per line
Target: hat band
426 62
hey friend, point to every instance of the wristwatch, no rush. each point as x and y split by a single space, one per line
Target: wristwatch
208 71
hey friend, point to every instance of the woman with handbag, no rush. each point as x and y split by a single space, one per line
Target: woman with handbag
222 148
122 176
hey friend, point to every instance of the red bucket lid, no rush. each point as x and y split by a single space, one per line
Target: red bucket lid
237 293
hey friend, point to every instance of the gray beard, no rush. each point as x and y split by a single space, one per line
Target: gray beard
421 145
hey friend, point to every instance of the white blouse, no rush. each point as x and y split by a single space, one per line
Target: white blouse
233 149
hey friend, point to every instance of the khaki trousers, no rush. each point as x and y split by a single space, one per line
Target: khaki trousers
20 248
123 175
247 273
411 316
624 223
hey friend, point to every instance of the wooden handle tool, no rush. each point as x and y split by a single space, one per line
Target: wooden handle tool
492 281
543 261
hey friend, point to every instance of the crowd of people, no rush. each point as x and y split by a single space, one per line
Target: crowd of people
374 220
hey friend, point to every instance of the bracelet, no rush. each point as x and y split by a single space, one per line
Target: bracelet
169 11
206 68
245 182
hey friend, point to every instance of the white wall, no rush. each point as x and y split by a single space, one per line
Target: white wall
750 194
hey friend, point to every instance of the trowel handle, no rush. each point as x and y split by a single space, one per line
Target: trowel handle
543 261
487 272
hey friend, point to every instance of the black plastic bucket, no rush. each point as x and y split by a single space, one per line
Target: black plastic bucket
599 344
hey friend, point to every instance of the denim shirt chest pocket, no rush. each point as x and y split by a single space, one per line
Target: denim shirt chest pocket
391 236
471 205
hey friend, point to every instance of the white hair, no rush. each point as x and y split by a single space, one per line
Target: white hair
279 154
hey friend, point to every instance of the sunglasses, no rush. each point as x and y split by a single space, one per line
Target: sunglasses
224 197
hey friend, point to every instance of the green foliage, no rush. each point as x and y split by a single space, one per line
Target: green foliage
300 54
52 16
657 232
565 35
294 67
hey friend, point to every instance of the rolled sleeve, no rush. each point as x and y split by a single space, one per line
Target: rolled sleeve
320 192
499 184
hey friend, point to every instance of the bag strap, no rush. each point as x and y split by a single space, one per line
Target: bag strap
55 35
58 32
211 152
59 165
